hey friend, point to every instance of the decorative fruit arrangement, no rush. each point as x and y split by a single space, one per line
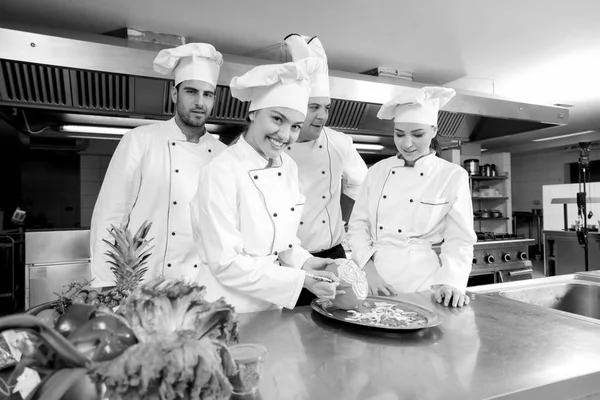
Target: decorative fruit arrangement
165 341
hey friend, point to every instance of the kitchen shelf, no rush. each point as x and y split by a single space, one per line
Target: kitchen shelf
488 178
489 197
488 219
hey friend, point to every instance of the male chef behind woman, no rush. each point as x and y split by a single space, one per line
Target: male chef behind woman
328 164
153 174
411 201
248 206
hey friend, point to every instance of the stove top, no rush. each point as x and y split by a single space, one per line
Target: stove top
493 237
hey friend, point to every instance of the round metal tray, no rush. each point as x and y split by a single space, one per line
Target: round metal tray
327 309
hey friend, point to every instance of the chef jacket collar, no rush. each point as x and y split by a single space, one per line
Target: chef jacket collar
175 133
253 158
422 161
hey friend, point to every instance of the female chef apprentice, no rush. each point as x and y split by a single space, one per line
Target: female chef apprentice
411 201
246 211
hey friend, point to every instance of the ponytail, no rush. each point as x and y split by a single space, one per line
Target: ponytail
435 146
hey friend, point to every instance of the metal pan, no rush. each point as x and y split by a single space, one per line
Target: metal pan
327 309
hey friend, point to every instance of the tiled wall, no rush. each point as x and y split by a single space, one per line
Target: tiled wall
531 171
554 213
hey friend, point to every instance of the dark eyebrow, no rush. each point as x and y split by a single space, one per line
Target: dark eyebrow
418 130
190 88
398 130
279 115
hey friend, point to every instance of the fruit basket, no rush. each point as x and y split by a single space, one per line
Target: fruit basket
156 340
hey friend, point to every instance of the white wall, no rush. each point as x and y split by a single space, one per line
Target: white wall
531 171
554 213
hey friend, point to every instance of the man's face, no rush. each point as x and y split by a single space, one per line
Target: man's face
316 117
194 101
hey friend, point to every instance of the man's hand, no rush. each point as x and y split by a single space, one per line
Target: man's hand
377 285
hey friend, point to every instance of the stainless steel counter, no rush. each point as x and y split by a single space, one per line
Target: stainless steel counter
495 348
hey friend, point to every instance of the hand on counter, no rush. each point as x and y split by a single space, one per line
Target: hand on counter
450 296
377 285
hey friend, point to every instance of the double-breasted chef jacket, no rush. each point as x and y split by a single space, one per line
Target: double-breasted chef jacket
245 218
327 167
401 211
153 176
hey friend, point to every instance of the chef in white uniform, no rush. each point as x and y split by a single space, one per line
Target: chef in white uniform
328 164
248 205
411 201
154 171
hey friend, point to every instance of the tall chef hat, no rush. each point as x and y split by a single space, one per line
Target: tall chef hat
197 61
419 106
276 85
301 47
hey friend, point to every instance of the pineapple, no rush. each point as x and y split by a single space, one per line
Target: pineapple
129 256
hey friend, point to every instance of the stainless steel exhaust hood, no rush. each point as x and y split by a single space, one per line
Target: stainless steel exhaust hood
111 77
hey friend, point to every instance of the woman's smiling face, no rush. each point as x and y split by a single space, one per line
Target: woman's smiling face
271 129
413 140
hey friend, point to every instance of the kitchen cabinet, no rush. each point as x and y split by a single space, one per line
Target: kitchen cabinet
564 254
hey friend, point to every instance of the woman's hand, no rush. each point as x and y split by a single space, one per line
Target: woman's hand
377 285
450 296
317 264
323 290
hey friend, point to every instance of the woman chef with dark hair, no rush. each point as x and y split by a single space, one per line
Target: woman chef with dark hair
410 202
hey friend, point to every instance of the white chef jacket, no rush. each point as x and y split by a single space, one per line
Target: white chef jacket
152 176
245 217
401 211
327 167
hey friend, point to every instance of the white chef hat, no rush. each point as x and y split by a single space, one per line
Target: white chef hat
419 106
301 47
276 85
193 61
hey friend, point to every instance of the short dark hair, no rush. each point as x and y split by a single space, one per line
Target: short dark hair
177 87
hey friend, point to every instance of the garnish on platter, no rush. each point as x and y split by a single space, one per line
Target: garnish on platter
381 313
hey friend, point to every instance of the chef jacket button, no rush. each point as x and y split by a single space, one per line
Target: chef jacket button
290 246
275 214
292 208
301 223
421 174
393 172
173 143
255 176
289 148
323 172
411 200
323 221
168 265
174 203
320 146
324 197
195 265
279 174
381 227
384 196
275 253
176 170
399 230
173 233
209 150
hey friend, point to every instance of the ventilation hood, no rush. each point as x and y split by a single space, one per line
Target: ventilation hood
111 82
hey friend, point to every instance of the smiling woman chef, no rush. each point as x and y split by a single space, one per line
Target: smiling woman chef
411 201
248 206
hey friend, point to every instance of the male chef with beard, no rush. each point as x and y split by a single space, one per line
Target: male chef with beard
154 171
328 164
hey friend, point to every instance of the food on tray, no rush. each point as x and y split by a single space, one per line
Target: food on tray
386 314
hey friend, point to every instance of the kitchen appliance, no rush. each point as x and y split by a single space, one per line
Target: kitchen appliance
472 166
102 81
499 257
54 259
